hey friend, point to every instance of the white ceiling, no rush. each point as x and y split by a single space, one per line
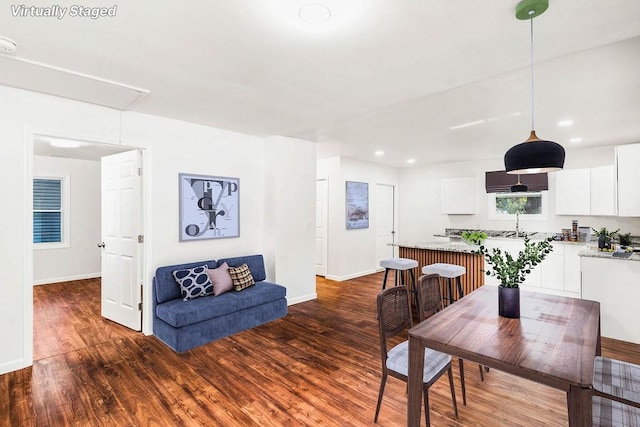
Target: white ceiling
392 75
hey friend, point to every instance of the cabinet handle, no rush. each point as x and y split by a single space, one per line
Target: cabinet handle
101 245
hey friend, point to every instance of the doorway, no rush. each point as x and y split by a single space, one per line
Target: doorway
385 222
78 261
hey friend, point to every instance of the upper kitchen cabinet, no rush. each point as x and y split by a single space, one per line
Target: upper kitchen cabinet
458 196
628 164
573 192
603 190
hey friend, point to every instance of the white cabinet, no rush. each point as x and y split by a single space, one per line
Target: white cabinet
458 196
558 274
573 192
614 284
603 190
628 165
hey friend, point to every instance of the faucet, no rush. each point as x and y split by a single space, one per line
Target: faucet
517 224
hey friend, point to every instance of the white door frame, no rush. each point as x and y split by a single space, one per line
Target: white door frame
325 218
27 248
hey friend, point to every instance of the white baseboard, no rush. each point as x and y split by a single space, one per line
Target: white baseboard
304 298
352 275
13 365
66 279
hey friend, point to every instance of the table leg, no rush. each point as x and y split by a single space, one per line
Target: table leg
416 371
579 406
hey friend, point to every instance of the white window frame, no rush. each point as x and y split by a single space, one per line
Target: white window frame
65 205
543 216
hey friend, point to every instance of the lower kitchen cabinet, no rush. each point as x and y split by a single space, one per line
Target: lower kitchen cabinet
558 274
614 283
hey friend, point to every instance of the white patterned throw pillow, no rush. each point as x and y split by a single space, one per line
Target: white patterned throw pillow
194 282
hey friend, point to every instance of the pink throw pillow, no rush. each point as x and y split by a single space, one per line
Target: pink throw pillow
221 279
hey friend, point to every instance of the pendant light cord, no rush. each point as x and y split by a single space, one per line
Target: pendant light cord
532 95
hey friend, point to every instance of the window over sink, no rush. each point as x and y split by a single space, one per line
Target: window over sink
529 206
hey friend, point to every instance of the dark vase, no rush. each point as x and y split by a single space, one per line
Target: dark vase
509 302
604 242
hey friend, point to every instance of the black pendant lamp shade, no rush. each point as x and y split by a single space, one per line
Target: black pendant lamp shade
534 155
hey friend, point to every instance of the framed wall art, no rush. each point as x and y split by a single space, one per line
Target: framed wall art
357 203
209 207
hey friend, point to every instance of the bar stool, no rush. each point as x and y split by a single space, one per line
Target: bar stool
449 272
400 265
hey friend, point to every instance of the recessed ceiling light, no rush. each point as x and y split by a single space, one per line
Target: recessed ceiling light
411 161
379 153
565 123
314 13
7 45
64 143
575 140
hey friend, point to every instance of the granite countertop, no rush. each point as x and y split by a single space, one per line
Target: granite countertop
595 253
461 247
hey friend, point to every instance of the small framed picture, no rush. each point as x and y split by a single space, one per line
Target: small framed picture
209 207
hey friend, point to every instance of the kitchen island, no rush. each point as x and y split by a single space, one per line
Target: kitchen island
458 253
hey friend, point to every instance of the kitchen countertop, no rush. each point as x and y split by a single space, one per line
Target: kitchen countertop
461 247
595 253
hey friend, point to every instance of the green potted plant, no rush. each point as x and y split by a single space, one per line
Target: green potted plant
474 237
605 237
511 271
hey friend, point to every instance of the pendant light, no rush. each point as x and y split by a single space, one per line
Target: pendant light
519 187
533 155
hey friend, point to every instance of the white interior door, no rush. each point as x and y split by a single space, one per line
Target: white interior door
321 227
121 207
384 222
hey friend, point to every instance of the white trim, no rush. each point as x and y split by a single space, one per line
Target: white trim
27 256
303 298
13 365
351 276
66 279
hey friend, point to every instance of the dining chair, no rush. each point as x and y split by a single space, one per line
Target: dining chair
430 302
394 319
616 392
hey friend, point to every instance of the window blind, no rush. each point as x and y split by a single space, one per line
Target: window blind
47 210
501 182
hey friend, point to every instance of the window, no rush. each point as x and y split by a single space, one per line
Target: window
527 205
50 213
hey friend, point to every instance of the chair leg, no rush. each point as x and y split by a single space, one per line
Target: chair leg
414 290
459 284
464 389
384 281
383 381
481 373
453 392
427 416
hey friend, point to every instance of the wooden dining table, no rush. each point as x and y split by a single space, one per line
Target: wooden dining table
554 342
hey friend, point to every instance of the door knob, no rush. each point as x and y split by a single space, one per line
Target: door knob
101 245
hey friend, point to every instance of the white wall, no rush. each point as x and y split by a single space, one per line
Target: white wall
352 253
170 147
419 202
290 207
82 258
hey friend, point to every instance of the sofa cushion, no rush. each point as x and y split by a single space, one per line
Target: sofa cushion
254 262
194 282
164 284
241 277
179 313
221 279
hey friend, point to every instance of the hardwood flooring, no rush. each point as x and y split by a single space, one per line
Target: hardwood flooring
320 365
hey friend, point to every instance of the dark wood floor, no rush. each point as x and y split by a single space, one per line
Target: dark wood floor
318 366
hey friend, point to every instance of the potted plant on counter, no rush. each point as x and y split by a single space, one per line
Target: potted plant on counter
605 237
474 237
511 271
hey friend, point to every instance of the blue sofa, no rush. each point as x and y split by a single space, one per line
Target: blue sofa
183 325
